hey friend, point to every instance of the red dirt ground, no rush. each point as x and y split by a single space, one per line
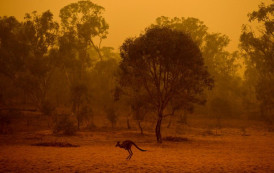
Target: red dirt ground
97 153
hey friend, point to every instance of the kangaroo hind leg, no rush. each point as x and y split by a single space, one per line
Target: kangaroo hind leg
128 157
131 153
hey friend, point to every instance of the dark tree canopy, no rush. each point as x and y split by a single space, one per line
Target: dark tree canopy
26 53
12 49
84 20
165 63
259 50
221 64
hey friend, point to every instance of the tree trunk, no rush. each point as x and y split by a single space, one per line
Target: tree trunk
158 129
183 117
49 120
128 125
78 123
169 123
77 112
139 123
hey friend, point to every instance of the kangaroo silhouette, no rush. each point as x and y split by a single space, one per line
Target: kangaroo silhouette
127 146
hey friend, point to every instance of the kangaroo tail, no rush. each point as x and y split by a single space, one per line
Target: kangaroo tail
138 147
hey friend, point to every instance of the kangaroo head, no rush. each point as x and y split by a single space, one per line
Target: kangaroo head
118 144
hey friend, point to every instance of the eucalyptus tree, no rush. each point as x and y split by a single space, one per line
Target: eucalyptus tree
258 48
83 29
27 54
222 65
40 32
166 64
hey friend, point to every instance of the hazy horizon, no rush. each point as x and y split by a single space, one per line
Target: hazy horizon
180 102
129 18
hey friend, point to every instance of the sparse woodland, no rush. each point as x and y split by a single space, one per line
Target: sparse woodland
175 79
176 69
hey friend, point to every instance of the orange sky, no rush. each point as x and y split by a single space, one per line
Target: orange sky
128 18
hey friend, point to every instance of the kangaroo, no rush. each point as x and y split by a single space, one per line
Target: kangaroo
127 146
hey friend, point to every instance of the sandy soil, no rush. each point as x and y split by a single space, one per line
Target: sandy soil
97 153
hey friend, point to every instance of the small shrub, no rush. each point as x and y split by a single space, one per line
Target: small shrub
207 132
47 108
85 114
91 126
5 122
6 118
65 125
111 116
175 139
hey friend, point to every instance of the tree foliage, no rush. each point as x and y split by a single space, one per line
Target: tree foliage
85 21
12 50
165 63
82 22
26 53
258 47
222 65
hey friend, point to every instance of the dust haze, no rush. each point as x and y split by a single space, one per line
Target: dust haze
172 94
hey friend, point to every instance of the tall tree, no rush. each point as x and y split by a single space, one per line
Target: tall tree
166 64
85 21
258 47
40 32
12 50
82 23
28 53
222 65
